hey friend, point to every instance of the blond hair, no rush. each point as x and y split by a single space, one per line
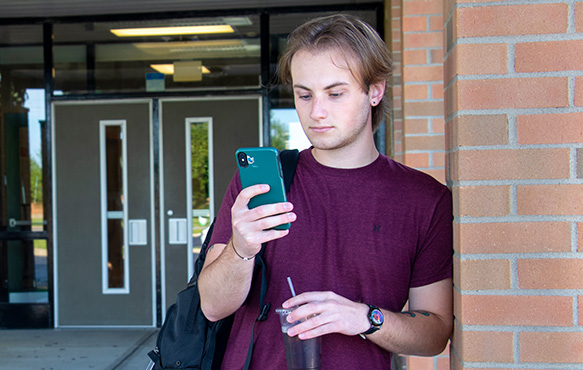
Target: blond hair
354 38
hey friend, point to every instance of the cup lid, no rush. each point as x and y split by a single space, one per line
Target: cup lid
285 311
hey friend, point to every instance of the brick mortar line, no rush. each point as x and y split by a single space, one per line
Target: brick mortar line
514 257
576 312
517 182
573 162
571 18
512 2
516 111
516 347
432 134
428 21
519 328
521 75
419 151
571 91
513 146
405 118
514 199
511 58
575 237
512 129
514 272
569 293
520 365
518 219
429 168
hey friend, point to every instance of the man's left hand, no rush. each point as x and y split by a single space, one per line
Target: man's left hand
326 312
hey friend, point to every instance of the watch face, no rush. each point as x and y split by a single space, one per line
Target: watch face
377 317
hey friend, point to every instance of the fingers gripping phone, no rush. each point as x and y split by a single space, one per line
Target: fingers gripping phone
261 165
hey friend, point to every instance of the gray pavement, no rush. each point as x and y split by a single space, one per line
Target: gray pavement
68 349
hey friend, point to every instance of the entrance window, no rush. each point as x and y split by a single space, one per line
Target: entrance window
114 207
157 55
199 180
286 130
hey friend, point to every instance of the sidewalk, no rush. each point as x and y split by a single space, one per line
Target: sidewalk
68 349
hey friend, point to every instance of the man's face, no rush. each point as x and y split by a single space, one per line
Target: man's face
334 110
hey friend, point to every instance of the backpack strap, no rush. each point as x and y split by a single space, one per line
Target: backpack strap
199 263
289 161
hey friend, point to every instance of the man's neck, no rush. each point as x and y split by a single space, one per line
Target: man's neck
346 157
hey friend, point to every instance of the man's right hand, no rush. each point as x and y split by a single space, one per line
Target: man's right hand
253 227
226 277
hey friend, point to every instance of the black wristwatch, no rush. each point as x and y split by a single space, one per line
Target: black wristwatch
376 318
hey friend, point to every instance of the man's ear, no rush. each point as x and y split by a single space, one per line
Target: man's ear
376 93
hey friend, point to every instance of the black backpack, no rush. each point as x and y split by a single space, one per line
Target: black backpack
187 340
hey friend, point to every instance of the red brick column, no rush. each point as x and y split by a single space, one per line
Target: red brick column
422 86
394 37
422 133
514 122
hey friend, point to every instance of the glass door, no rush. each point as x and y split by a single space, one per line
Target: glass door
24 255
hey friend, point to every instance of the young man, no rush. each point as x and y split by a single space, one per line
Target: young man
367 233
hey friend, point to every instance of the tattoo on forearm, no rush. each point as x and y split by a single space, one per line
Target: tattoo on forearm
414 313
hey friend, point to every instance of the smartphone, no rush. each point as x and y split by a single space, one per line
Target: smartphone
261 165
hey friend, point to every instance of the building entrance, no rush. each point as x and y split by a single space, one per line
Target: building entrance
135 190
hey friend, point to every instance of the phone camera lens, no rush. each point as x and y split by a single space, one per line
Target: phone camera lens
242 157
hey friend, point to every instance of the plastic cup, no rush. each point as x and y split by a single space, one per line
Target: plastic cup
299 354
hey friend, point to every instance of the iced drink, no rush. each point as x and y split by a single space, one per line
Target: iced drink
299 354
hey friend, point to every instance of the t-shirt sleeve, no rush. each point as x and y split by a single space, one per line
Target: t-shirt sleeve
223 229
434 259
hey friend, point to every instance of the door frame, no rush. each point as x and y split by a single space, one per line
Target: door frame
152 226
157 227
162 220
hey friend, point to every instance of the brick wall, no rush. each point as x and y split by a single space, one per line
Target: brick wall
420 136
423 144
394 37
514 123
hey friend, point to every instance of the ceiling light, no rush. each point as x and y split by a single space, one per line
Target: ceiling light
168 31
204 45
168 69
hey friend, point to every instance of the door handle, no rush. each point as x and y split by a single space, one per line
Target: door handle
12 222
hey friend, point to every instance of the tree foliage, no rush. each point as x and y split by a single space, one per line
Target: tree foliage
200 160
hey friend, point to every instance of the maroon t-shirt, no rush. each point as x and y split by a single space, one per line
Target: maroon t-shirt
368 234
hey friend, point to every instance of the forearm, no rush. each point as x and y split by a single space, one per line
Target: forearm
224 284
418 333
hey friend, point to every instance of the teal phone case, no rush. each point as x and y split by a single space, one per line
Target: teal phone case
263 167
